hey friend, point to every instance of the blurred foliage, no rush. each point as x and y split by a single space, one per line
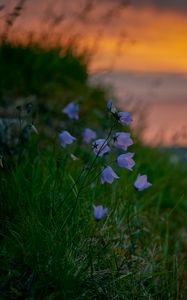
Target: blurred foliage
48 78
30 69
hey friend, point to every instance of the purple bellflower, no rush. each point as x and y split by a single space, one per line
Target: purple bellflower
141 183
66 138
122 140
100 147
111 108
126 161
99 212
108 175
88 135
72 110
109 105
124 118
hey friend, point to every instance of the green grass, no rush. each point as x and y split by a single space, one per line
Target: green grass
135 252
31 69
51 248
53 77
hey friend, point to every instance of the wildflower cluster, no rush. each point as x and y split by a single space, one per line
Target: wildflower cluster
103 146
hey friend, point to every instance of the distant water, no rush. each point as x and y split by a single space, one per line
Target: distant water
164 96
167 124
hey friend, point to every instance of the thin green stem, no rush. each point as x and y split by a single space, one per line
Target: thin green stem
79 177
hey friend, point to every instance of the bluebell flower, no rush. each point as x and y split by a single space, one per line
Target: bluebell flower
122 140
124 118
88 135
108 175
126 161
111 107
72 110
99 212
100 147
141 183
65 138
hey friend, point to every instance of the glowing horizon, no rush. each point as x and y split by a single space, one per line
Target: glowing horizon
141 39
156 42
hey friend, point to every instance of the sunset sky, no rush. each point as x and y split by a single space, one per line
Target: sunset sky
141 49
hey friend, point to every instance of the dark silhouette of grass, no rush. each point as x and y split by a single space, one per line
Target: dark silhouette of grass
30 69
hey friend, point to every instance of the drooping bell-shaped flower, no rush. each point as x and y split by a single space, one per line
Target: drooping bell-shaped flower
141 183
122 140
100 147
65 138
111 107
125 118
99 212
88 135
72 110
108 175
126 161
109 104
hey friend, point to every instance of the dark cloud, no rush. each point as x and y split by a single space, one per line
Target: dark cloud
178 5
159 4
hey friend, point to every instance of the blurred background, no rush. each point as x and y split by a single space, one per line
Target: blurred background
137 49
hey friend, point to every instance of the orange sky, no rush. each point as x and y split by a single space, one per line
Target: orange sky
156 41
136 39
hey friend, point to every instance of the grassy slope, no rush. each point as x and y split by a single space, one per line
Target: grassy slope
135 252
54 76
